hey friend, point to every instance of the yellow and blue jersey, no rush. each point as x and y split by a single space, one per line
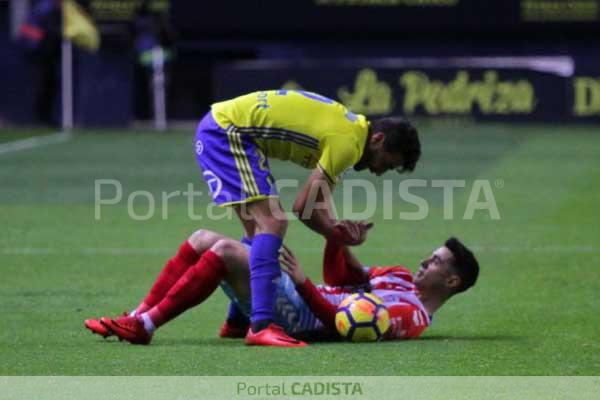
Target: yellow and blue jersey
303 127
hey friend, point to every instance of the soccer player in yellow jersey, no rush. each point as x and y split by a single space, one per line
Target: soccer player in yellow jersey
233 144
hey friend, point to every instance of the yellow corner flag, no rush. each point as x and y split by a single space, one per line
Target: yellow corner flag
78 27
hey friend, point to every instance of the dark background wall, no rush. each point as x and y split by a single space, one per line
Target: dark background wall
112 88
15 76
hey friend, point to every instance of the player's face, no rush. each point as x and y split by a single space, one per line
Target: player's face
436 270
383 162
377 159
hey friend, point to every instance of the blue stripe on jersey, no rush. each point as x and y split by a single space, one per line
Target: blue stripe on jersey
283 134
284 138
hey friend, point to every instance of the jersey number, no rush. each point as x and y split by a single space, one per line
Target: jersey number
349 115
309 95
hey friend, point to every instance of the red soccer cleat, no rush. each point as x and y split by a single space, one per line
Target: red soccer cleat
128 328
272 335
228 331
95 326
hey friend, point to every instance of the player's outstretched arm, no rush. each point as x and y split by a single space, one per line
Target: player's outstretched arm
319 305
341 267
313 204
313 207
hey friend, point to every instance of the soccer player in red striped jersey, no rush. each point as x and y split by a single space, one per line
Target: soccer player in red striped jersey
411 299
208 259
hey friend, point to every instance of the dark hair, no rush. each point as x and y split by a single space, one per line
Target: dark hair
465 264
400 137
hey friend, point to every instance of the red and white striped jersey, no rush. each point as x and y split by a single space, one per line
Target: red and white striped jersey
394 285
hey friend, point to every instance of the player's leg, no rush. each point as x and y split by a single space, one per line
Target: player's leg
237 172
271 225
248 223
265 273
237 287
237 322
223 261
195 286
187 255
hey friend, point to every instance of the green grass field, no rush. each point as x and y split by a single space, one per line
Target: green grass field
534 310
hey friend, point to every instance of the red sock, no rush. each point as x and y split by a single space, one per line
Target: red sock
191 289
172 271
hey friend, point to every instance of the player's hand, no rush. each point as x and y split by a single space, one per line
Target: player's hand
291 265
351 233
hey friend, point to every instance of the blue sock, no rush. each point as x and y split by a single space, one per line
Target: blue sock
246 240
235 317
264 270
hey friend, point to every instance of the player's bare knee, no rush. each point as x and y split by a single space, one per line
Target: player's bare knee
233 253
203 239
226 248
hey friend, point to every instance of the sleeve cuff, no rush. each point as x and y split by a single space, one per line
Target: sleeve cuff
331 179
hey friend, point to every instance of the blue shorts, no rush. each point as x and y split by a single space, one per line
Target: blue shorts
233 165
292 313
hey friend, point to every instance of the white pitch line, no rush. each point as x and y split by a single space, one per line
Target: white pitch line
36 141
124 251
117 251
